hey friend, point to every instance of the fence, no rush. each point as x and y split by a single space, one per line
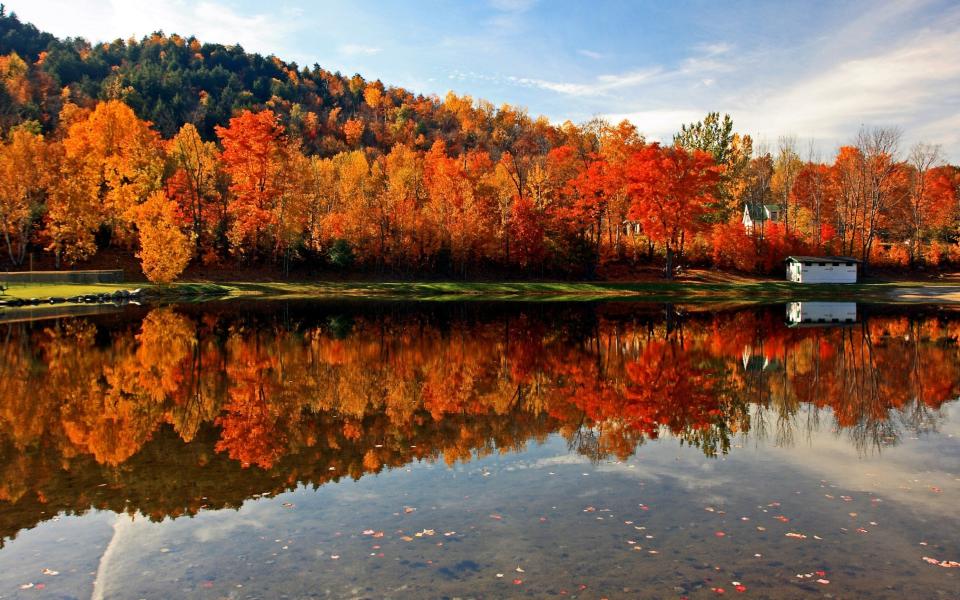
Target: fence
22 277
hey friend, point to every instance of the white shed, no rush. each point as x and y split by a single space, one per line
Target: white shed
822 269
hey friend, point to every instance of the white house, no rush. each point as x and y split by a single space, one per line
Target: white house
821 313
822 269
755 215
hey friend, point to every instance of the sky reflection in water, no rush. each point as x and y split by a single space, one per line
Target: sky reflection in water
473 450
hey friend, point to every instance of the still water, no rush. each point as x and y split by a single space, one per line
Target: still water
399 450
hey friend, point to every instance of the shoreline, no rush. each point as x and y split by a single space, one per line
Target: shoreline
748 292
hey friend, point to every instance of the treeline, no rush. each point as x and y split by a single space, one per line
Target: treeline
181 151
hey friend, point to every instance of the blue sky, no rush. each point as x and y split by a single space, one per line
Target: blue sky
816 70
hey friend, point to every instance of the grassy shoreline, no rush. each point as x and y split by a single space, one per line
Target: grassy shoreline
685 291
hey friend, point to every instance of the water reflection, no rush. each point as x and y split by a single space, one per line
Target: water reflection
177 409
821 313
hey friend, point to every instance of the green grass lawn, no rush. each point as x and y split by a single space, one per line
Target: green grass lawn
46 290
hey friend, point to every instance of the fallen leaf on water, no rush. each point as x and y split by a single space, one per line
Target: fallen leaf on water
287 505
947 564
407 538
793 534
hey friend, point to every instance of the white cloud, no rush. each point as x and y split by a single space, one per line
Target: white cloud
913 81
209 21
659 125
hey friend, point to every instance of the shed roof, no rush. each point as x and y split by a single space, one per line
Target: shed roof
803 259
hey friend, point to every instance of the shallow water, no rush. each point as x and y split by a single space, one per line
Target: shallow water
307 449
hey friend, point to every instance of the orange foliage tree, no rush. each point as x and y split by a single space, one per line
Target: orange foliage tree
254 152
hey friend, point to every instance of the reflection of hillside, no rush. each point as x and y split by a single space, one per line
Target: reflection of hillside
189 409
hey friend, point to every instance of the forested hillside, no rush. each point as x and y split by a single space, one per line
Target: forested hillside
185 153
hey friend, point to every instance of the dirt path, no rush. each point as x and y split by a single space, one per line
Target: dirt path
933 294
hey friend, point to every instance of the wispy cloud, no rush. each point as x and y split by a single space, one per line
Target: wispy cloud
358 50
513 5
591 54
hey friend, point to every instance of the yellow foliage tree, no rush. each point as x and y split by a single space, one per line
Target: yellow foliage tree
120 155
164 249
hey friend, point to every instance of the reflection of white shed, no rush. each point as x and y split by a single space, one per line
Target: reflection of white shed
822 269
819 313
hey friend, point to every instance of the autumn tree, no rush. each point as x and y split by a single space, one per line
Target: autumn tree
670 190
883 180
923 157
730 151
812 196
254 153
118 157
165 250
786 166
194 181
25 170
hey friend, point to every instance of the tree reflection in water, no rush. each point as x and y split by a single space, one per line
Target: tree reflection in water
179 409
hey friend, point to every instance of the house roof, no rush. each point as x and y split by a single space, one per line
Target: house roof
759 212
823 259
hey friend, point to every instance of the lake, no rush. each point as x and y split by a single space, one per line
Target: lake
373 449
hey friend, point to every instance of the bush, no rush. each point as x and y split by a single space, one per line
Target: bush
341 254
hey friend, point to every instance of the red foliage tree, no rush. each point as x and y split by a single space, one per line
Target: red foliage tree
670 189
